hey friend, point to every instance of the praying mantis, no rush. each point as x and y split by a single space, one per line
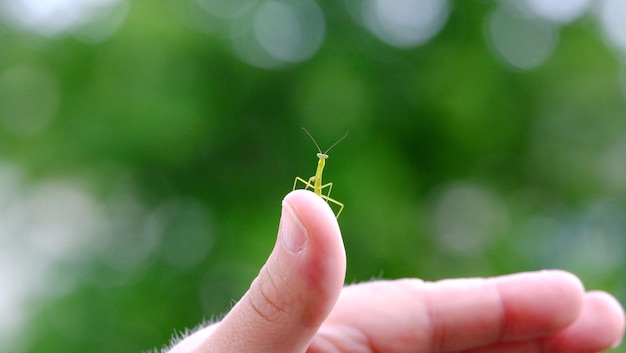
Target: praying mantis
315 182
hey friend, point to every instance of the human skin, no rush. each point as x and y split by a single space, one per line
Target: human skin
298 303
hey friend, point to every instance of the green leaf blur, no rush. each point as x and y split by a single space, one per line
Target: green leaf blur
145 147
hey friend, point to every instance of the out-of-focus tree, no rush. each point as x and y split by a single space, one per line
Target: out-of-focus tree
145 148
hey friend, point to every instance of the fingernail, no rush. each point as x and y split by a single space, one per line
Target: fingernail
291 231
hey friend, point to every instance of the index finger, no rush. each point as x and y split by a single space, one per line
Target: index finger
461 314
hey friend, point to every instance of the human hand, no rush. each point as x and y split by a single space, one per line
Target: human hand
298 304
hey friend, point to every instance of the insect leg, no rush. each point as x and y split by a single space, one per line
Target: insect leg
307 184
329 186
333 201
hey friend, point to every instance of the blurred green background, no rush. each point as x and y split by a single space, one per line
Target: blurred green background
145 147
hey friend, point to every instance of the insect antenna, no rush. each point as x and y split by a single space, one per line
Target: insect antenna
312 139
335 144
318 147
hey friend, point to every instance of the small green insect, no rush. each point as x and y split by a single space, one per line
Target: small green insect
315 182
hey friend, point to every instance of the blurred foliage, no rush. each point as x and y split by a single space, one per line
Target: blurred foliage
168 157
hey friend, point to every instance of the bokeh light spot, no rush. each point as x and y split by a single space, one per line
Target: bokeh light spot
103 24
612 15
612 167
560 11
130 235
60 218
186 239
587 241
29 99
467 217
277 30
280 33
42 227
404 23
522 43
52 18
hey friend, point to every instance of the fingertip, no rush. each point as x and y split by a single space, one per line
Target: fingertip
568 292
310 208
600 326
540 303
566 286
568 280
612 313
326 254
320 223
